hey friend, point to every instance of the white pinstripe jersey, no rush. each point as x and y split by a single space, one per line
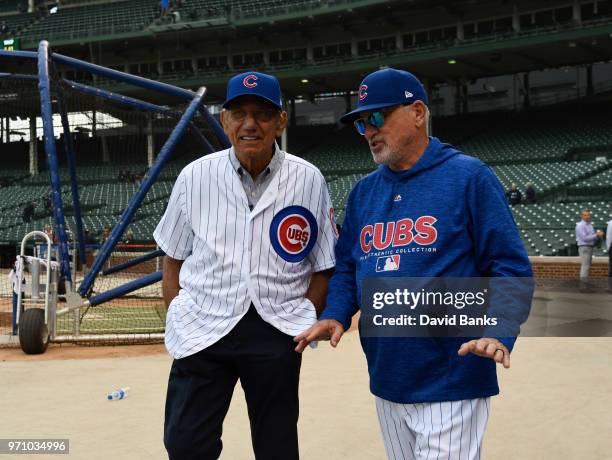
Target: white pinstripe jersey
234 256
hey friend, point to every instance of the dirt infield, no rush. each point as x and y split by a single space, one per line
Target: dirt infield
554 404
62 351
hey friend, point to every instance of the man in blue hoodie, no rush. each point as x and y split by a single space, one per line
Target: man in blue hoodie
431 211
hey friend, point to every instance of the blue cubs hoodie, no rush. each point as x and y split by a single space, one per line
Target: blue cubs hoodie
460 226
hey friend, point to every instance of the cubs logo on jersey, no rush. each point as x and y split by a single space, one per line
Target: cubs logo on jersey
293 233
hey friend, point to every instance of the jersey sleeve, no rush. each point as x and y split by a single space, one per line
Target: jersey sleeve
174 233
322 256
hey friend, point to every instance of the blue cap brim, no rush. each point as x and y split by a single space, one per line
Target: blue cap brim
352 116
247 93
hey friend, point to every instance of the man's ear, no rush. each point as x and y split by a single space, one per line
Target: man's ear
420 112
282 123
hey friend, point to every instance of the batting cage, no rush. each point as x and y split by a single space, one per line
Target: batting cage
110 159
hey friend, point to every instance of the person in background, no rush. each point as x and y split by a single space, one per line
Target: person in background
586 238
105 235
129 237
89 239
28 212
514 195
49 231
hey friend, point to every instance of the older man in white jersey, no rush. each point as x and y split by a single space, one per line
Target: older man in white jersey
249 241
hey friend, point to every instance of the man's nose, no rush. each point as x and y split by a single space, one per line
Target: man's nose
249 121
369 131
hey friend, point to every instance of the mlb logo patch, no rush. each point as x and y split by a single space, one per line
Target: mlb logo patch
388 263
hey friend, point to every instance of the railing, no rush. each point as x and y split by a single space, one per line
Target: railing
306 7
73 34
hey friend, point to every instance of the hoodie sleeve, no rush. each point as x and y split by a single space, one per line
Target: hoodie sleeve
342 294
500 253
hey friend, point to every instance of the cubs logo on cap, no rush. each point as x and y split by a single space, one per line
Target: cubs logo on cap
386 88
257 84
250 81
362 92
293 233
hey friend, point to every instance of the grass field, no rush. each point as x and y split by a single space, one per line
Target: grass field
120 316
140 312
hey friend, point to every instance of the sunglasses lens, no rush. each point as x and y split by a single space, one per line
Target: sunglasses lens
360 124
376 119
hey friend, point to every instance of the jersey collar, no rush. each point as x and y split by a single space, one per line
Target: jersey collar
271 169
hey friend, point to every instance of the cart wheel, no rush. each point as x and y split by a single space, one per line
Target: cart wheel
33 332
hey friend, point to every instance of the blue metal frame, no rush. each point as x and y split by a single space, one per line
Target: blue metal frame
134 261
217 128
126 288
139 196
56 186
117 97
76 202
107 73
19 54
20 76
124 77
137 103
195 105
127 78
198 135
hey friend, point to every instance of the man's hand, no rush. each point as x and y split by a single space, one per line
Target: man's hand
327 329
487 348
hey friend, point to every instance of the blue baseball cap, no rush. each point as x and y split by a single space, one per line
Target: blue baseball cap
254 84
385 88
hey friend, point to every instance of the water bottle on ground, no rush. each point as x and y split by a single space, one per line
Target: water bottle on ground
121 393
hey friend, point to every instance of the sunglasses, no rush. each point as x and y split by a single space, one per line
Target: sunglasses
239 115
375 119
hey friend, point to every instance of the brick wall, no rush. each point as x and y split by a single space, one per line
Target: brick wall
567 267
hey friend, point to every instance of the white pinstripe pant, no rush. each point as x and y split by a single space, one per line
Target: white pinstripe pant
450 430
